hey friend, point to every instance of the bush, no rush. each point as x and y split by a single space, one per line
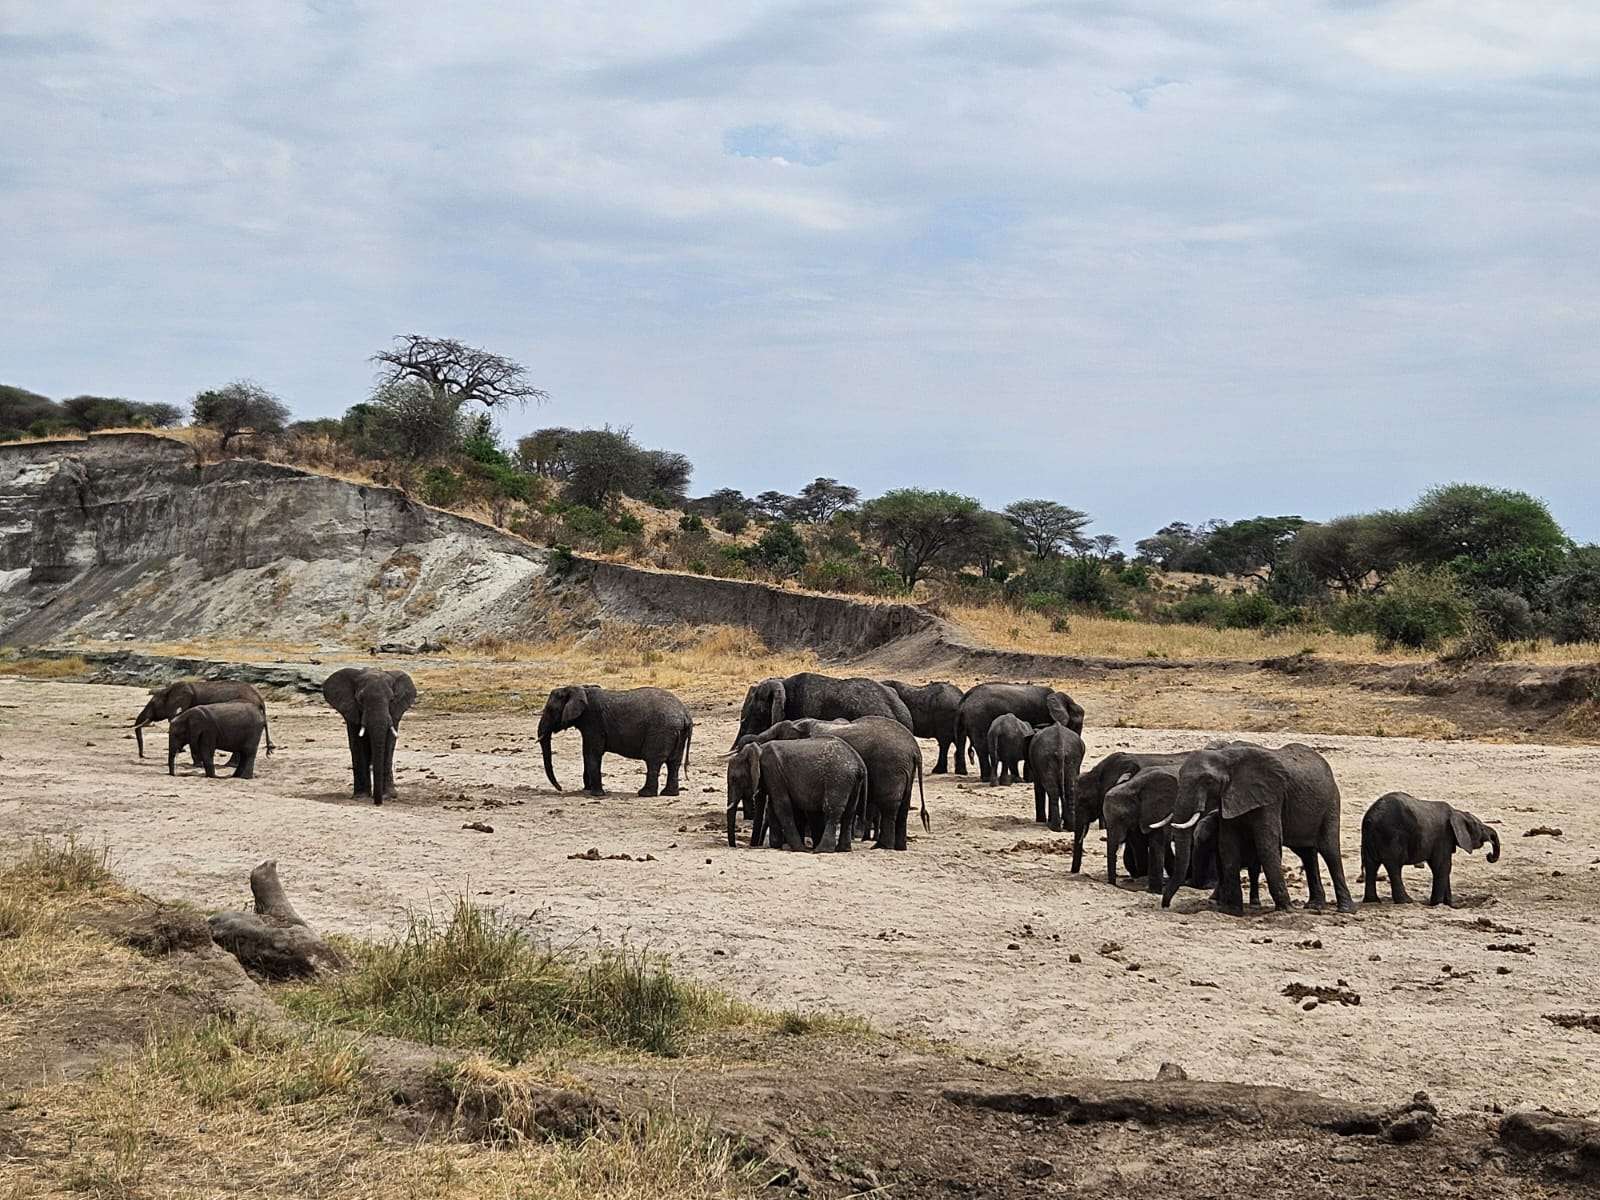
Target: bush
779 550
732 522
1504 615
442 487
1135 576
1063 581
1419 608
692 523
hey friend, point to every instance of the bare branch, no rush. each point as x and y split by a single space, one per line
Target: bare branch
457 371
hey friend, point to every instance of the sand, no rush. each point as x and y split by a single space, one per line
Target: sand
961 937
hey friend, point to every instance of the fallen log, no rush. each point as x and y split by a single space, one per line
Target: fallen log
273 941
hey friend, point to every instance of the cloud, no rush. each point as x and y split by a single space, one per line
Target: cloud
1156 261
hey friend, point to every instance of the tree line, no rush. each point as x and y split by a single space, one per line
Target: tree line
1482 564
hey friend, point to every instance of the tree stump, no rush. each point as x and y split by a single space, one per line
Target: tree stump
274 941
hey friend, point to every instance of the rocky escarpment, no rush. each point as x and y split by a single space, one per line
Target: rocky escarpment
127 534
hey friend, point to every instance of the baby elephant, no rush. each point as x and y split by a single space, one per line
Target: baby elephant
235 727
1009 737
1400 830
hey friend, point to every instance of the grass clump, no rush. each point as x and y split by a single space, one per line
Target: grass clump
69 867
477 981
70 667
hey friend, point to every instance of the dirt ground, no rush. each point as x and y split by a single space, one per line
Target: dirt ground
969 936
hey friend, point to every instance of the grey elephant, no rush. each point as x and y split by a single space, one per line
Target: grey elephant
235 726
814 784
1266 800
1055 756
1007 740
1399 831
1138 809
1029 702
166 703
933 708
822 696
649 724
893 760
371 701
1089 798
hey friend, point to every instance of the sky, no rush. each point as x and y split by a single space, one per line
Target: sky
1160 261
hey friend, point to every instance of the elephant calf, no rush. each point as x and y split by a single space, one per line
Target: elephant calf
1055 754
1400 830
235 726
1008 741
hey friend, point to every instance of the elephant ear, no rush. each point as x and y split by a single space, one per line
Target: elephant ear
573 708
339 690
404 694
751 756
1257 779
1064 710
1466 836
780 699
181 696
1158 792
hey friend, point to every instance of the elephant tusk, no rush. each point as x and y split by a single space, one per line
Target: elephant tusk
362 732
1161 824
1190 823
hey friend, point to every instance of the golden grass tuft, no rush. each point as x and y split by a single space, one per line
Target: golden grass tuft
70 667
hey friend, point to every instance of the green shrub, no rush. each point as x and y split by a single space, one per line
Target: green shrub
627 523
1135 576
1419 608
732 522
1504 615
442 487
692 523
779 550
1067 581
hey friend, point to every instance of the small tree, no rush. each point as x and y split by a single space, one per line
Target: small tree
775 506
921 528
456 372
240 407
1104 544
820 499
605 465
1046 527
541 452
408 420
1254 546
779 550
668 474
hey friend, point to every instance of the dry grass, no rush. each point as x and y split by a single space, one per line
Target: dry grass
710 662
1101 637
71 667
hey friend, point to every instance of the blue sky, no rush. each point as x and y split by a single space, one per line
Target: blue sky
1159 261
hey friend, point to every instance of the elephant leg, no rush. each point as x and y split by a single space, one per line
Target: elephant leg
1038 803
902 822
208 755
591 772
1369 868
358 761
1255 885
959 753
1079 828
1272 866
829 839
674 765
1156 850
1113 844
1316 896
782 815
1229 897
939 768
985 767
247 765
815 823
1441 881
1135 859
1057 812
652 778
1341 888
1027 771
1397 884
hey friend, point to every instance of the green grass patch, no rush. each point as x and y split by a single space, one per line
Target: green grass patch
477 981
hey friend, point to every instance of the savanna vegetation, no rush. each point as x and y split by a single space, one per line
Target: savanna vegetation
1465 570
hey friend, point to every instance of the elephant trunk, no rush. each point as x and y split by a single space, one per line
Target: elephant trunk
733 818
549 763
1494 845
380 738
1182 846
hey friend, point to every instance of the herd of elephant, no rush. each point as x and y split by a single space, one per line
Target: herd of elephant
828 760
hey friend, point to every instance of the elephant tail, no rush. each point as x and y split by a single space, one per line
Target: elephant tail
688 738
923 797
266 727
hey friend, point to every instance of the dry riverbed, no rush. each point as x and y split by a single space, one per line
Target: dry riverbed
979 933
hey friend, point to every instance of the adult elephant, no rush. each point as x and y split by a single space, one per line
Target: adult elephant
371 701
650 724
1028 702
818 784
1089 799
933 708
1266 800
166 703
795 697
235 726
893 760
1400 831
1055 755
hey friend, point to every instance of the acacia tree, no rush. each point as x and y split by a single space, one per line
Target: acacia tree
823 498
455 371
238 407
1047 527
922 528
